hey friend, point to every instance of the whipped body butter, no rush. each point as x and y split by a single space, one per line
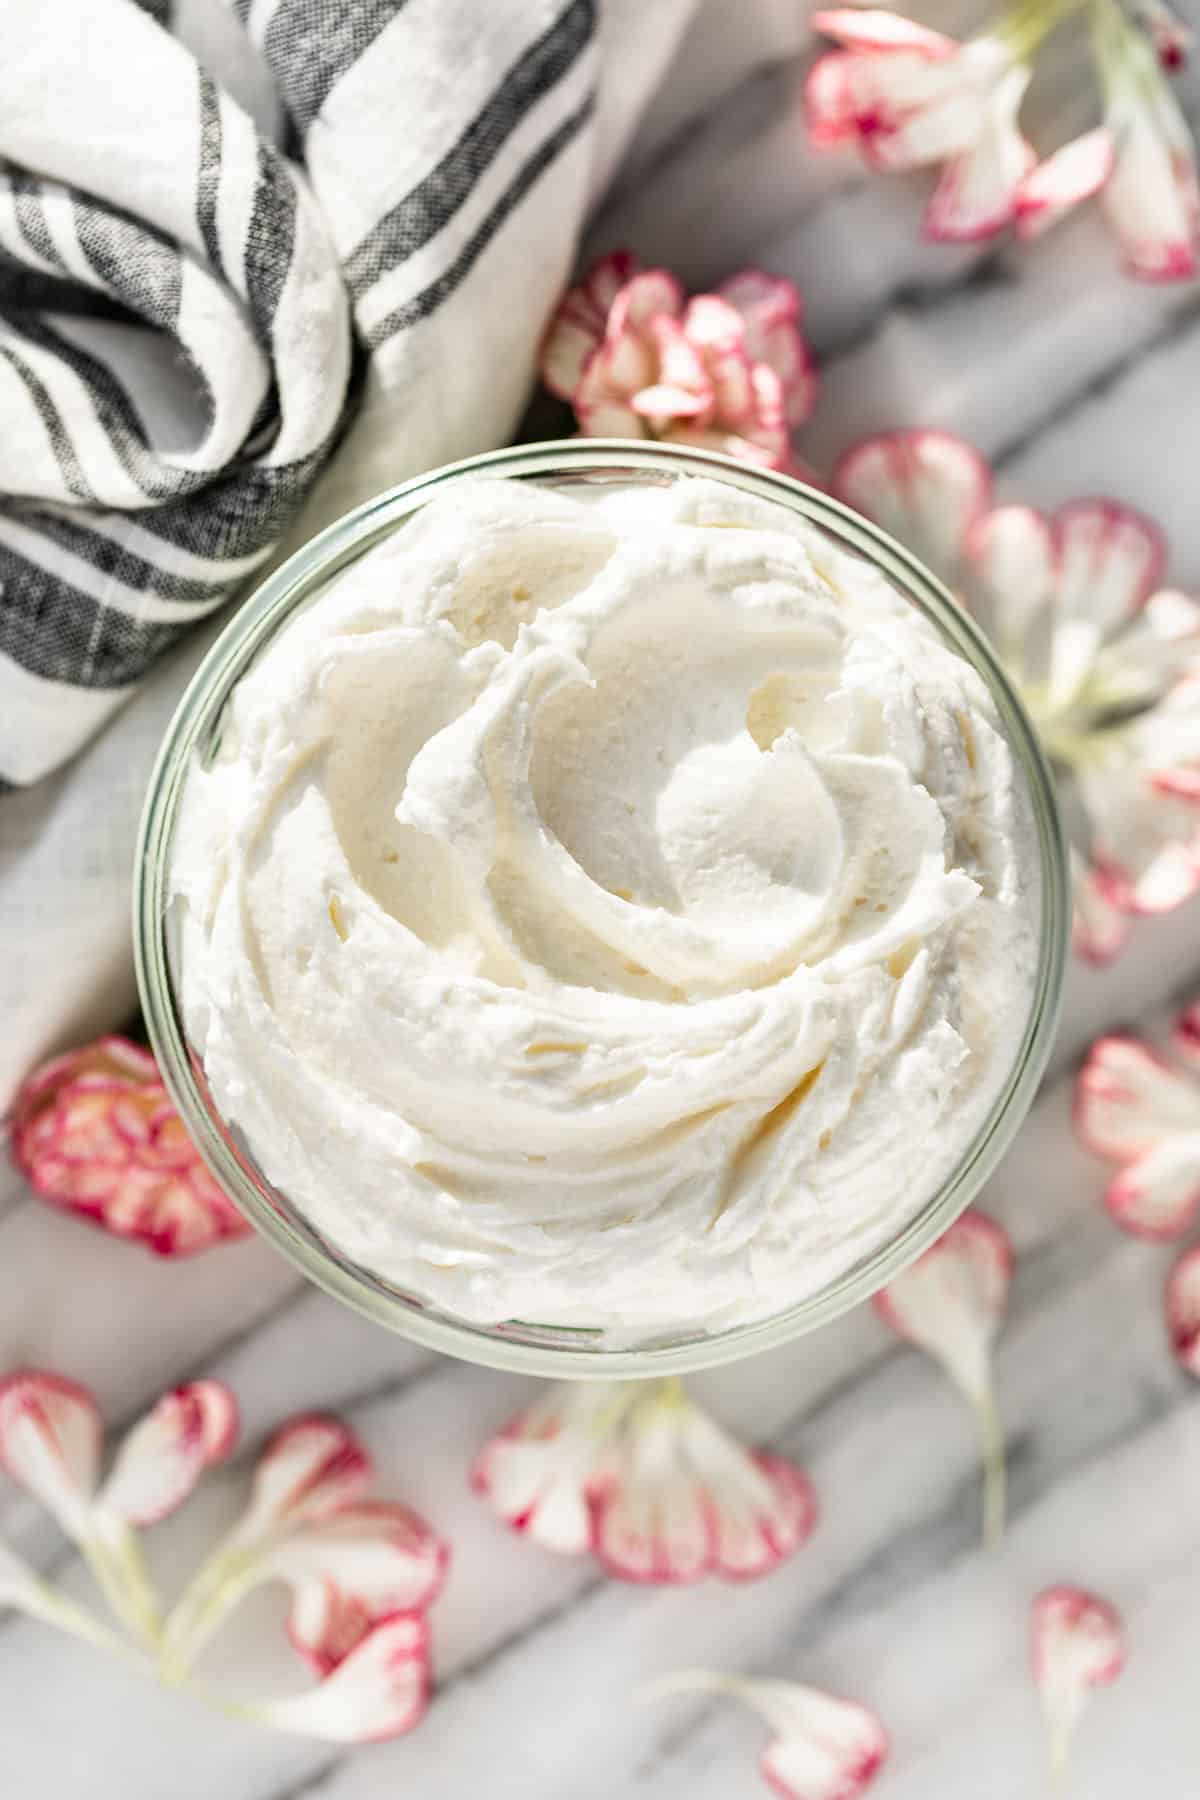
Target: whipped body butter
617 911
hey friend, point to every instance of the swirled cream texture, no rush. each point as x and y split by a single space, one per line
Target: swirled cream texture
613 912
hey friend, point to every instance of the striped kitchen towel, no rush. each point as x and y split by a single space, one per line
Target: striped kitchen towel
258 260
193 318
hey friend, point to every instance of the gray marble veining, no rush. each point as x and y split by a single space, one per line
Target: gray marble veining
1075 381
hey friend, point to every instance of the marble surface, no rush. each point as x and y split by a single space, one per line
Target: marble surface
1072 380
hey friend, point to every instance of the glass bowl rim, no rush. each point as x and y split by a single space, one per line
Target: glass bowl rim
251 626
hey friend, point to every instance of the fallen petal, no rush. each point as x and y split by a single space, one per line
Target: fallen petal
312 1467
1128 1099
1183 1310
1073 173
1100 926
539 1472
829 107
924 487
165 1454
951 1303
976 195
875 29
1077 1643
1109 559
1157 1196
50 1437
1152 198
824 1747
363 1565
683 1499
1010 552
380 1691
1186 1036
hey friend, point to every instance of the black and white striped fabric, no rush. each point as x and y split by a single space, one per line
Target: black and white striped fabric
258 260
196 322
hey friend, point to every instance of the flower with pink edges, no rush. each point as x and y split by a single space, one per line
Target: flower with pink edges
362 1573
1106 660
908 97
350 1563
1136 1110
96 1133
822 1747
1141 161
726 371
638 1475
1077 1643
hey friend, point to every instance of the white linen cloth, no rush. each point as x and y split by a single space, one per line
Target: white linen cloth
211 343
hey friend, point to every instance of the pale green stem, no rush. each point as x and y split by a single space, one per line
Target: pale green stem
995 1480
122 1577
1060 1749
53 1608
1022 28
218 1586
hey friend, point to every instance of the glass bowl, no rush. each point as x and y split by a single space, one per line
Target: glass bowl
535 1349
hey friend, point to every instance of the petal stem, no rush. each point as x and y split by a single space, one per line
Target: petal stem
218 1586
1022 28
52 1607
119 1569
995 1478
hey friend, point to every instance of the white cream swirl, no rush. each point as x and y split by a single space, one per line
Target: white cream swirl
610 912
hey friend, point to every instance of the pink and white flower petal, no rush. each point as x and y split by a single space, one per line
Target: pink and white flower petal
571 339
867 28
1152 198
762 1517
1185 1038
1010 551
770 310
912 110
1128 1100
686 1499
823 1748
380 1690
829 109
952 1300
1138 666
683 388
1157 1196
644 297
165 1454
924 487
605 279
1100 925
366 1563
715 330
1141 797
1073 173
653 1524
312 1468
913 103
1110 559
50 1438
1077 1643
977 193
539 1473
603 400
1183 1310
